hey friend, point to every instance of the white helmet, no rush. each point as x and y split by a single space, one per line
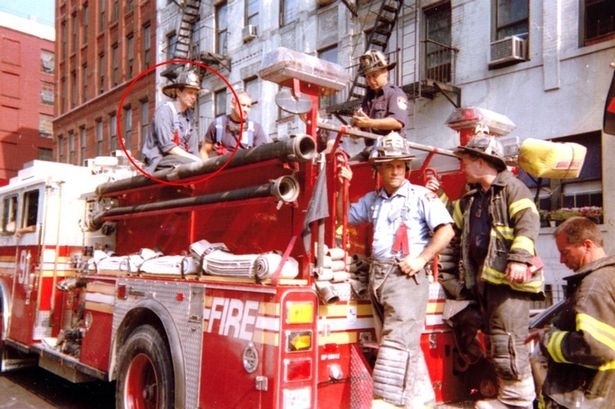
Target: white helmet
374 60
390 147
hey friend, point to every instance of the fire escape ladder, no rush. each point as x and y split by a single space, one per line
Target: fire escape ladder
189 14
377 39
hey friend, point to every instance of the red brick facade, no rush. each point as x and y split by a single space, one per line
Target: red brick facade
26 97
101 47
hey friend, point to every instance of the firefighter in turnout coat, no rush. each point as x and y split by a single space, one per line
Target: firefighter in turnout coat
498 225
580 344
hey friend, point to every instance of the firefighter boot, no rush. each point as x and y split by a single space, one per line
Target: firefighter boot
512 394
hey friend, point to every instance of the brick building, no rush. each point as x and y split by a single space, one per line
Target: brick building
101 48
26 93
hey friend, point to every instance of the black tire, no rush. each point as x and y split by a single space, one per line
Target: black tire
145 376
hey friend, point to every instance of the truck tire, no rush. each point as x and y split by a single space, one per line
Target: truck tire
145 379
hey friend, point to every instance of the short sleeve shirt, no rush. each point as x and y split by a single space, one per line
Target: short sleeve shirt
161 139
419 208
390 101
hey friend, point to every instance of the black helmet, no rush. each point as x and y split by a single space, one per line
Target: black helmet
374 60
390 147
185 79
486 147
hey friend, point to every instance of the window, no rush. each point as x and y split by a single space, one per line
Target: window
84 24
115 64
328 54
64 39
222 28
115 12
251 85
9 214
130 59
63 93
30 209
84 82
147 45
74 33
45 126
251 16
511 18
220 103
73 89
47 61
112 132
101 73
45 154
102 23
127 126
288 12
47 93
144 119
99 137
82 144
171 45
61 151
71 148
438 52
598 21
130 5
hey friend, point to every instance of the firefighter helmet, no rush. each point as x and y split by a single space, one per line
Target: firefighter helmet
185 79
486 147
390 147
374 60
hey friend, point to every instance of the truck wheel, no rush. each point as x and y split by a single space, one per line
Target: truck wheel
145 378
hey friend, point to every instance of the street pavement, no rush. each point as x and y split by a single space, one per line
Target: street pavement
35 388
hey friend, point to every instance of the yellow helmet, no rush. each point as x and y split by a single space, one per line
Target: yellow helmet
374 60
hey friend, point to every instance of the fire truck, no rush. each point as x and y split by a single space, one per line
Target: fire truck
226 283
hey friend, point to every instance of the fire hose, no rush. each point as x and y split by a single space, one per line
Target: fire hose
301 148
285 189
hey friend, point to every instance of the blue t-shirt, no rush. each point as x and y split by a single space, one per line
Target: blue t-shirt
416 206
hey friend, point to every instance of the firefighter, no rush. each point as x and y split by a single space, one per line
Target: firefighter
222 135
580 344
173 139
384 107
411 225
498 224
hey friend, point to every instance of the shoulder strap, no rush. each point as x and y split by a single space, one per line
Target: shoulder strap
250 133
219 128
175 117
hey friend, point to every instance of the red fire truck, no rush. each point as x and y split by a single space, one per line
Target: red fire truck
212 285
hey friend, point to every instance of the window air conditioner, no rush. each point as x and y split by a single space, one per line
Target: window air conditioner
507 51
248 33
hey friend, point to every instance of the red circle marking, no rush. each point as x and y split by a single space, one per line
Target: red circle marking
119 121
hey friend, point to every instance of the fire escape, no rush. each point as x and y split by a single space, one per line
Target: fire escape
434 75
189 15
